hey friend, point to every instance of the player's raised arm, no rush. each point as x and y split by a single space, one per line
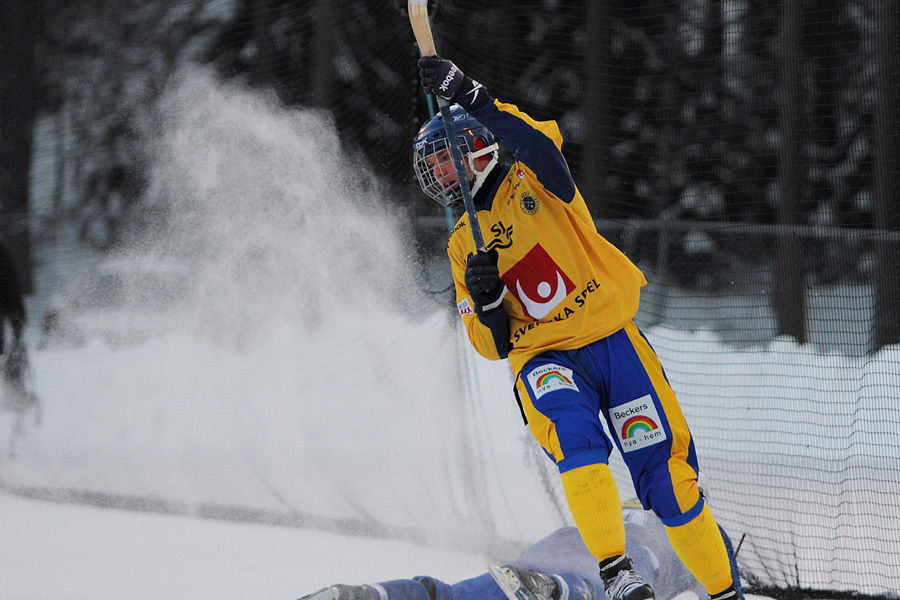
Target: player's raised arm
537 144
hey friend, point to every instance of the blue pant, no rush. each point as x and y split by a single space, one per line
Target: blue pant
568 396
482 587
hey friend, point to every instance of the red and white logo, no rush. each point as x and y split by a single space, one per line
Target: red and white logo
520 173
538 283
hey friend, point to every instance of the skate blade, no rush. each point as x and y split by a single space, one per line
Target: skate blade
328 593
509 583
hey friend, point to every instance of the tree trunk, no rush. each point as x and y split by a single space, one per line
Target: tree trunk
19 31
789 291
886 326
601 98
325 18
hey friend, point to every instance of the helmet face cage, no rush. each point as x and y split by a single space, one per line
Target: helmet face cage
435 172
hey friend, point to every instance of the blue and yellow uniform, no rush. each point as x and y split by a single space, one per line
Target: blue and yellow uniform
570 300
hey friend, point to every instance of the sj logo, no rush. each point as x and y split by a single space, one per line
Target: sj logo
502 236
538 283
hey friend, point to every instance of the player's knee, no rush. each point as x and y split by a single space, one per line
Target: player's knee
669 496
584 458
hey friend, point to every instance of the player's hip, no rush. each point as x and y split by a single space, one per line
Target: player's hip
566 395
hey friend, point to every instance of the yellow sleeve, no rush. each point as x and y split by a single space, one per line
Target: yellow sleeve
479 334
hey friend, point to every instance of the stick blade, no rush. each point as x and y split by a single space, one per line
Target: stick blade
418 18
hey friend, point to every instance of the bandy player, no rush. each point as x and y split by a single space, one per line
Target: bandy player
558 300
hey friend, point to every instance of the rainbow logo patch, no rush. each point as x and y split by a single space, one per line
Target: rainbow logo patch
549 378
637 424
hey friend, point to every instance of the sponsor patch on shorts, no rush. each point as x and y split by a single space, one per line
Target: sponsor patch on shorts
465 308
637 424
549 378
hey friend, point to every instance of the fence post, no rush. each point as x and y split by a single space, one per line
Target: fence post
789 289
886 326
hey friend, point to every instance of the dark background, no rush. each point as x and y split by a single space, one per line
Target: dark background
770 124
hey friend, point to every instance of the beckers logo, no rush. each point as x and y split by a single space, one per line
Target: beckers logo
637 424
548 378
538 283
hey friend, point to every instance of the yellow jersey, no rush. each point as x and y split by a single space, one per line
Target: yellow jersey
567 286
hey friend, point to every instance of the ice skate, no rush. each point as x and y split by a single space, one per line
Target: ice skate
343 592
622 583
521 584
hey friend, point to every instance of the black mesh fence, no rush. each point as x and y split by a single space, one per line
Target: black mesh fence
743 152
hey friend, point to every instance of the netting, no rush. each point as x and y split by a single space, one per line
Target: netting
236 293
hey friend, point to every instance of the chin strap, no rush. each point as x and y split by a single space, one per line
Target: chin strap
480 176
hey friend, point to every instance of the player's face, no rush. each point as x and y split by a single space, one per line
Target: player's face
441 164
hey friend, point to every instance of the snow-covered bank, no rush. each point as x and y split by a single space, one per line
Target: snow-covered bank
303 373
73 552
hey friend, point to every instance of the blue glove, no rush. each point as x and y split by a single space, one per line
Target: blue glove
442 78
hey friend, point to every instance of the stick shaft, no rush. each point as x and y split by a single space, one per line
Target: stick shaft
418 18
460 169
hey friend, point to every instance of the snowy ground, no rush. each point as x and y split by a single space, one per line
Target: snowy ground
70 552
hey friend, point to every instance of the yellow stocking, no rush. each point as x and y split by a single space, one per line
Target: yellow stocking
698 543
594 502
